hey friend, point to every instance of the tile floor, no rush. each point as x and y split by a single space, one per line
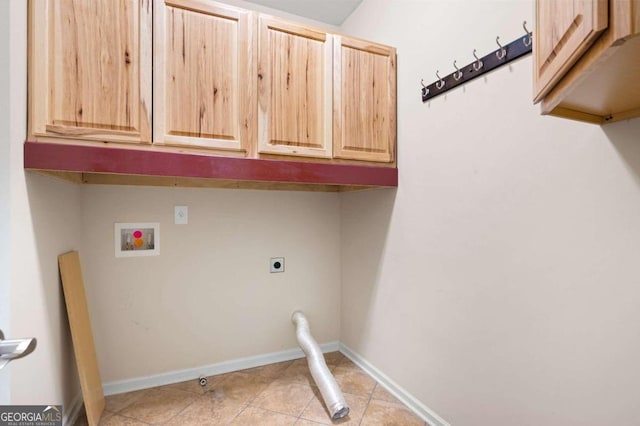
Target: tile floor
275 394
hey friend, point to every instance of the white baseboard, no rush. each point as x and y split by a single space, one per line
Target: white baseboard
421 410
72 411
208 370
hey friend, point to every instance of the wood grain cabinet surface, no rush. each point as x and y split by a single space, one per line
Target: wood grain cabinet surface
90 70
202 78
294 89
364 100
587 59
204 95
565 30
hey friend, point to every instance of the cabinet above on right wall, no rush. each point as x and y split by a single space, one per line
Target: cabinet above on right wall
586 59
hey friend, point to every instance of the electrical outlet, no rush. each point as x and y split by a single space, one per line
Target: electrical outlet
181 215
276 264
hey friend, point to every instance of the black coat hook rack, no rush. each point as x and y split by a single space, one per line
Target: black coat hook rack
501 56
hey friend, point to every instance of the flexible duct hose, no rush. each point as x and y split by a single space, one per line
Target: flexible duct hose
333 398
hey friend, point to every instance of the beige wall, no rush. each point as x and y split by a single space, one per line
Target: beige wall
44 222
499 283
209 296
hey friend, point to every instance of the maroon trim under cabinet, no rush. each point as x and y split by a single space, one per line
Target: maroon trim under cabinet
95 159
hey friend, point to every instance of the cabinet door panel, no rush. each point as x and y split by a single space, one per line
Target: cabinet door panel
90 63
203 64
294 86
564 31
364 101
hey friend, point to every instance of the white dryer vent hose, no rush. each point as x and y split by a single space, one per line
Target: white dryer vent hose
333 398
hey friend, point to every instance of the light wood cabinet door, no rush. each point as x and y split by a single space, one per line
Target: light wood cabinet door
294 89
364 100
564 31
90 70
204 75
603 86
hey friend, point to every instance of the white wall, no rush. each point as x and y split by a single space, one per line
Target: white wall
44 222
499 283
209 296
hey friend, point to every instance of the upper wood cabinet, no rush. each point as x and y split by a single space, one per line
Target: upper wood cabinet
564 31
585 66
204 75
364 100
294 89
90 70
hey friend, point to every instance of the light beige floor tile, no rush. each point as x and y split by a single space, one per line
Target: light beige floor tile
270 371
118 420
115 403
348 365
333 358
303 422
253 416
207 411
159 405
317 412
382 394
103 419
351 379
285 397
389 414
347 362
298 371
239 387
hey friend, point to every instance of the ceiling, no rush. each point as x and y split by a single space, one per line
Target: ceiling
330 11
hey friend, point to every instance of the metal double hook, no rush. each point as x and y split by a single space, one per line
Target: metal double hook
425 89
477 65
458 74
440 83
526 40
500 54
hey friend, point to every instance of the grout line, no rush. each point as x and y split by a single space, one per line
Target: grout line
272 411
273 380
145 391
132 418
306 406
237 415
187 406
366 407
260 393
314 422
